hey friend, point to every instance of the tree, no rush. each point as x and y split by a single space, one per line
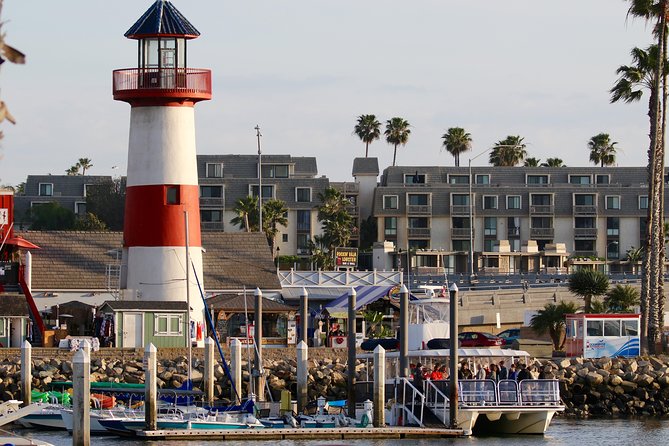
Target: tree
85 163
73 171
551 319
52 217
532 162
368 129
247 213
621 298
588 283
90 222
335 220
273 214
397 132
602 150
553 162
457 141
368 231
320 254
106 200
508 152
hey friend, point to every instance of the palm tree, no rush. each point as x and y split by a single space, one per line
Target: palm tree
457 141
588 283
397 132
368 129
621 298
335 220
553 162
532 162
508 152
85 163
247 213
602 150
633 256
72 171
274 214
551 319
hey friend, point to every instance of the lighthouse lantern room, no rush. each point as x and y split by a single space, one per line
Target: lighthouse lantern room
162 218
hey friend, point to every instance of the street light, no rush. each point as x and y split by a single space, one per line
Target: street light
258 135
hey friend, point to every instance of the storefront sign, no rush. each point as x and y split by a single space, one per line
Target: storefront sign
346 257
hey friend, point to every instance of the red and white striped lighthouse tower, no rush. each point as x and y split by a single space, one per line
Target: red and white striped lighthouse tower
162 183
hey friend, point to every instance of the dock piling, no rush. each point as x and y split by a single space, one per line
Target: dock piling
257 326
304 314
26 373
209 370
453 380
236 367
302 376
379 417
351 353
404 332
81 401
151 387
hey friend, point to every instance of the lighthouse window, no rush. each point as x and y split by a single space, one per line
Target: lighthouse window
172 195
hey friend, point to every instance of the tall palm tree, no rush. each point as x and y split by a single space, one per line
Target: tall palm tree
457 141
397 132
368 129
553 162
588 283
85 163
72 171
508 152
335 220
551 319
602 150
247 213
274 214
532 162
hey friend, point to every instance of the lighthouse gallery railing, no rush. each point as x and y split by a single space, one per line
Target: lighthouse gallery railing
177 80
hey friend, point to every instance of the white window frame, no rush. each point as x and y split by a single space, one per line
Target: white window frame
580 175
496 197
298 201
478 175
454 175
39 190
212 186
168 317
606 201
520 201
273 186
76 205
206 170
528 175
639 202
608 178
397 202
86 186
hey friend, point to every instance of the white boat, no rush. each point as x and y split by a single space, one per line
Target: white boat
45 417
8 438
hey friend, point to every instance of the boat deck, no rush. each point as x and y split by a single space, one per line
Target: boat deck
302 434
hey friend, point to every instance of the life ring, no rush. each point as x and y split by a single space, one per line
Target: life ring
339 339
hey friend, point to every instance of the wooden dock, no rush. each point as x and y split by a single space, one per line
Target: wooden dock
301 434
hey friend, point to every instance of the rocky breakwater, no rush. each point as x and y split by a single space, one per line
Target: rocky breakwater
612 386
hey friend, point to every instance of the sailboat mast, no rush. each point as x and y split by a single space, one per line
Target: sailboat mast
188 336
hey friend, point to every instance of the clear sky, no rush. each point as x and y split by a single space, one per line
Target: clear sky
304 70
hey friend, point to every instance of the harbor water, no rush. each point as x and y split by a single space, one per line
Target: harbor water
562 431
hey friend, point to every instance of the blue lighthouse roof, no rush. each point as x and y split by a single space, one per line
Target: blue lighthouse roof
162 18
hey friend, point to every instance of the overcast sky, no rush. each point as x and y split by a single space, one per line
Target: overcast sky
304 70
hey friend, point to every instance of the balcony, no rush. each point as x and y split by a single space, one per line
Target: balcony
585 233
459 209
164 85
542 209
418 232
513 232
419 209
353 211
212 201
542 233
212 225
460 233
585 209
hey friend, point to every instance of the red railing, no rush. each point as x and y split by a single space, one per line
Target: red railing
146 82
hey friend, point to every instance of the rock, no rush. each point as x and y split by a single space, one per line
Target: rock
615 380
594 379
628 386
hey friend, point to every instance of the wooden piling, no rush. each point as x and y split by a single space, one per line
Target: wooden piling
81 401
151 387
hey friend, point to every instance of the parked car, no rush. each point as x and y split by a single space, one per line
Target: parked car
509 335
468 339
369 345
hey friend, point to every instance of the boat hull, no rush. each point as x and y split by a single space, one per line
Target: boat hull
49 421
506 420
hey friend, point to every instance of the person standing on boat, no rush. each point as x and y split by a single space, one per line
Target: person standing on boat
464 372
524 373
493 374
513 373
503 372
418 377
481 373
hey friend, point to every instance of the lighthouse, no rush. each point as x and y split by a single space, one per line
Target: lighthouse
162 216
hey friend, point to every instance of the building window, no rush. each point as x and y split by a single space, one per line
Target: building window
390 202
418 222
490 226
540 199
580 179
489 245
643 201
211 191
584 199
275 171
513 201
513 223
584 245
390 226
458 179
45 189
602 179
418 199
612 250
612 202
303 194
460 199
490 202
284 238
585 222
172 195
303 220
168 324
537 179
460 245
86 187
460 222
80 208
541 222
419 244
267 191
613 226
302 241
211 215
214 170
414 178
514 244
482 179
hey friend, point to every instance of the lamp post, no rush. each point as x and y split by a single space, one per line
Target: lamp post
258 135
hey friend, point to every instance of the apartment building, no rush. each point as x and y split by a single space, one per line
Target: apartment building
533 213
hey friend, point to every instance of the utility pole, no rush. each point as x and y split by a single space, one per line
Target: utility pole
258 136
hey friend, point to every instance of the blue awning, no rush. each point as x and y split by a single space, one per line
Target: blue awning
365 295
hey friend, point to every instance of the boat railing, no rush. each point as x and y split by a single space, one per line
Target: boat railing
437 400
507 392
412 401
539 392
478 392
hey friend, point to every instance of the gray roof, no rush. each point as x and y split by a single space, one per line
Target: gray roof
120 305
246 166
235 303
365 166
13 306
77 260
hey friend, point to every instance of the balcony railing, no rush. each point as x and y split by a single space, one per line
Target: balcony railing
419 232
585 232
212 225
513 232
419 209
542 209
542 233
177 83
460 209
212 201
353 210
460 233
585 210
